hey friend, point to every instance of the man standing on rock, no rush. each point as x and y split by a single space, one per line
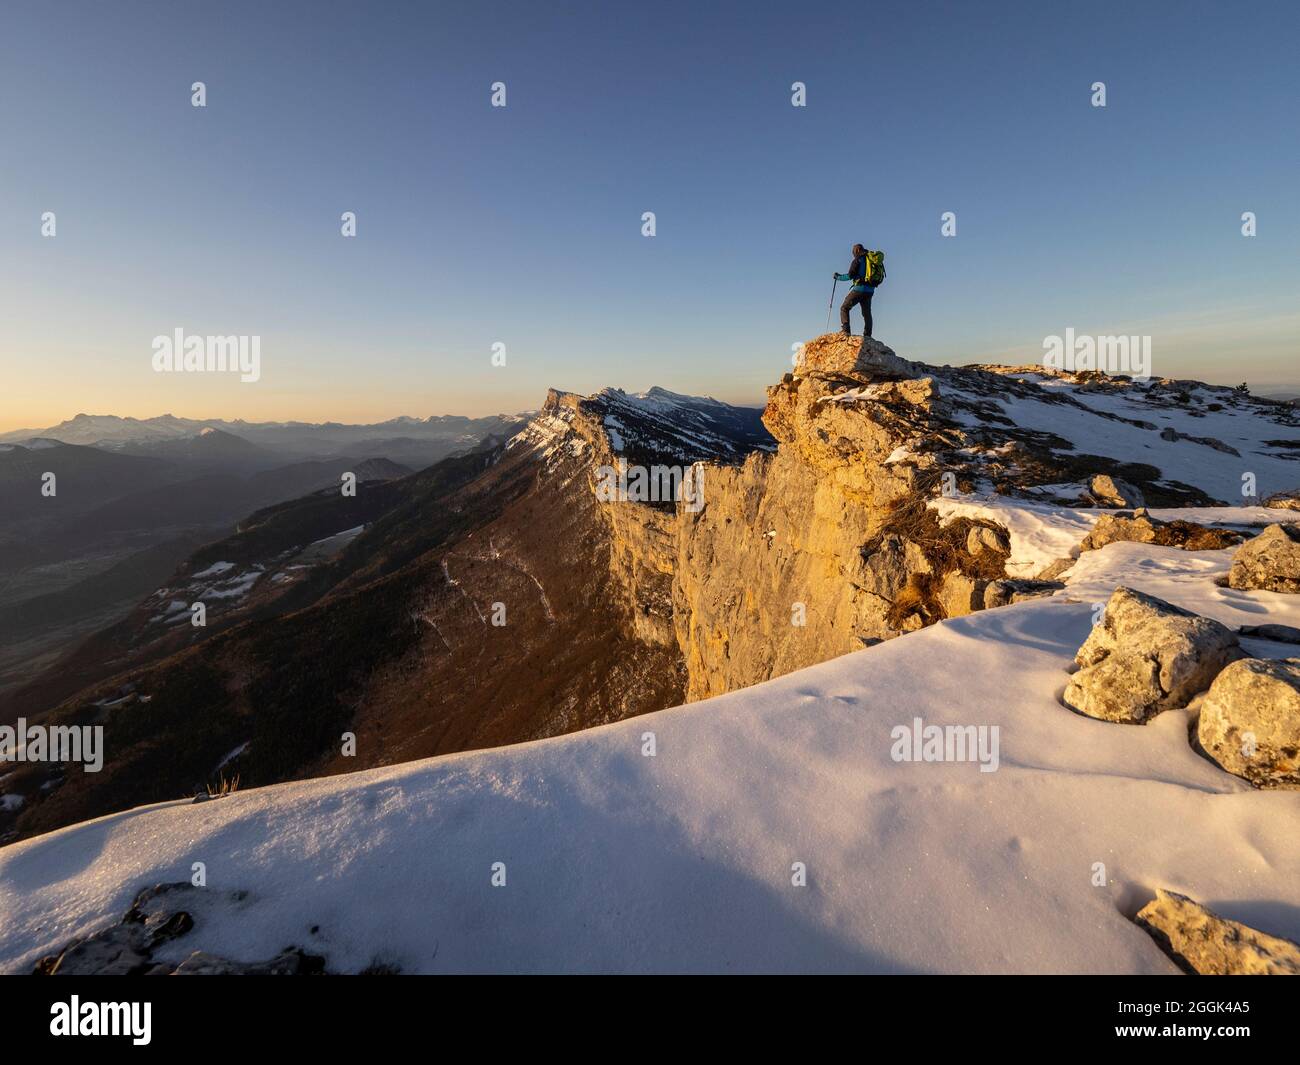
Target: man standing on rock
866 271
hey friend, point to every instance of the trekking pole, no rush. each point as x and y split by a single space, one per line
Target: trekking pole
830 306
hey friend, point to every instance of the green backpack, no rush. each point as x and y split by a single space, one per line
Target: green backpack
874 268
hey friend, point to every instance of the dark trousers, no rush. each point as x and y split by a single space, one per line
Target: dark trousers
856 299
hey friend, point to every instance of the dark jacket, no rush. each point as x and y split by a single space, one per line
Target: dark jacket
857 274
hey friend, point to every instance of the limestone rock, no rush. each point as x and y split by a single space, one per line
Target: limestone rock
1055 569
1146 656
1139 527
1269 561
960 595
1250 721
126 947
1200 941
121 950
1288 500
1110 491
842 356
983 538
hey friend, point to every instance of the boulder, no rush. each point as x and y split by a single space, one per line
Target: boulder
1250 721
1139 527
959 594
983 538
863 358
1269 562
1110 491
1055 569
1146 656
1200 941
1288 500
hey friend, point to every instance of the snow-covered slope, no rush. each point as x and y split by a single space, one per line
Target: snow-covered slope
1186 434
615 860
652 427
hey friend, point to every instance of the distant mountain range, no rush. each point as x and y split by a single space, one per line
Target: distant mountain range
377 610
113 432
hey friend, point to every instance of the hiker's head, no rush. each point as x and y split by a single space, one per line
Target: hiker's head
858 249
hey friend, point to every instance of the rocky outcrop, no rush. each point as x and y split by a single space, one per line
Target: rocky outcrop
1139 526
1269 562
1203 943
1250 721
156 917
1146 656
827 546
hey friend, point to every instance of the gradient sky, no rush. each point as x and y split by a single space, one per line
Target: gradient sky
523 225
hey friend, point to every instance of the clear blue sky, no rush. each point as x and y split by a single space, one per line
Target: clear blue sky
522 225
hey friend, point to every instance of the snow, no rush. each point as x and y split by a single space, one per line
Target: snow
612 427
616 861
1040 534
10 803
1217 473
214 570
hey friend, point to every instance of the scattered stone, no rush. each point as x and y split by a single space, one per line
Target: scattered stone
1169 434
121 950
1250 721
126 948
1054 569
1140 527
1147 656
1288 500
983 538
1108 491
1268 562
1203 943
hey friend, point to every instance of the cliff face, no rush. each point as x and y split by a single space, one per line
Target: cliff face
832 543
820 549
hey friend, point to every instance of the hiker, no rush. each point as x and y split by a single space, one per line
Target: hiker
866 272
